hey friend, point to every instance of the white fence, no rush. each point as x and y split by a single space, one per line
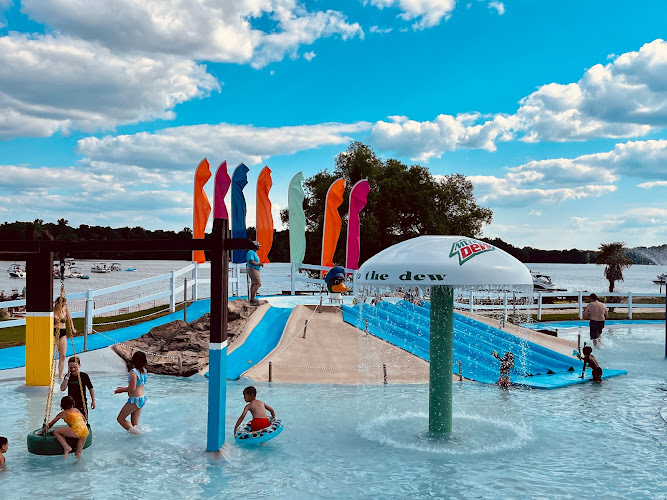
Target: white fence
93 305
509 302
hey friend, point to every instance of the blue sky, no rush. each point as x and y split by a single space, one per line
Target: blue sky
555 110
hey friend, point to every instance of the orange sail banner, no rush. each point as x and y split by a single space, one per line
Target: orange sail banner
202 207
332 222
264 215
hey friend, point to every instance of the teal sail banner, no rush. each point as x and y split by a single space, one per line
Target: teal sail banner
297 220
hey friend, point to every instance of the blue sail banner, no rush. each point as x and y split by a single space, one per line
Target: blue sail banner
239 210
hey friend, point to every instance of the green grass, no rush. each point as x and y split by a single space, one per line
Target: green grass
15 335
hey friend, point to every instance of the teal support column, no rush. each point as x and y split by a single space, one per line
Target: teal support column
440 376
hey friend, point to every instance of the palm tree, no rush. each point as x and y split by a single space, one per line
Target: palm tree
614 257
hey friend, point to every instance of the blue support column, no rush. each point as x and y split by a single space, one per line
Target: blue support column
217 395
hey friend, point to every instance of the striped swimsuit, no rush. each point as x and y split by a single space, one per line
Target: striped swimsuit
140 401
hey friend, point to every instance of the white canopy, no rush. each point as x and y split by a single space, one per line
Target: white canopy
444 260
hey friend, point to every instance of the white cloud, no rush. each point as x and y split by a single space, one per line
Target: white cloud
49 84
309 56
179 147
378 29
499 7
223 31
427 13
514 197
4 4
624 98
652 184
536 213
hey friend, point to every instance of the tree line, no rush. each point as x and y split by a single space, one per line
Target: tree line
405 201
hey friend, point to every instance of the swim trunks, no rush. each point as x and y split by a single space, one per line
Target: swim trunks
596 328
259 423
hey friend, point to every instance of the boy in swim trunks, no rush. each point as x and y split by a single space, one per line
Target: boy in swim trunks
257 409
590 360
77 427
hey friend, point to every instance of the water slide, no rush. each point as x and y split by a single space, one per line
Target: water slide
261 341
408 326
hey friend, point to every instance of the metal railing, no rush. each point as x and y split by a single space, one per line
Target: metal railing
509 302
92 299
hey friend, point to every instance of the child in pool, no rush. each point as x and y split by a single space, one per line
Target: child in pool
590 360
506 364
4 445
76 427
71 383
257 409
136 382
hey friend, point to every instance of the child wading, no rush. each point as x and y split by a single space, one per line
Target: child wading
4 445
135 390
590 360
71 383
77 427
257 409
506 364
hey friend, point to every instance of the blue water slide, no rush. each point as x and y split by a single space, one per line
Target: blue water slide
407 326
262 340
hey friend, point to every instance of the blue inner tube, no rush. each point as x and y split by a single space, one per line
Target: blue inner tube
245 436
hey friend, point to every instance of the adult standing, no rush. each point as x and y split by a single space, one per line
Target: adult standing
62 319
596 312
254 267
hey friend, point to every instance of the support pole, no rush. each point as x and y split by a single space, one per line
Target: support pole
217 382
440 375
305 327
384 373
39 319
172 289
270 371
293 279
90 311
185 300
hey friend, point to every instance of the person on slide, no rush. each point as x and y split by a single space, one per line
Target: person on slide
257 409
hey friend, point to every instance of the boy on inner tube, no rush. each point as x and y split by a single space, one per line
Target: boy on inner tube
335 280
257 409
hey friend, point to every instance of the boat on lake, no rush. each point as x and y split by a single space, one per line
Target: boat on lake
16 271
116 266
100 267
660 279
543 283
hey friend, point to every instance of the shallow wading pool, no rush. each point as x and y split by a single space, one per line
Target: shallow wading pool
369 441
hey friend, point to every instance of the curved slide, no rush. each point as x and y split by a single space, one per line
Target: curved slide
261 341
408 326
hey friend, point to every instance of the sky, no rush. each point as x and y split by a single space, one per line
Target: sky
556 111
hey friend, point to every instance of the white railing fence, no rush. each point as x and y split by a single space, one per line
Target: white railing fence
90 303
509 302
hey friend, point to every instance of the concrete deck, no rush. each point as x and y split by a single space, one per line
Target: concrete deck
334 352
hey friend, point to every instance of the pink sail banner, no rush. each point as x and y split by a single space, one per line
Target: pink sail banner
264 215
201 208
332 222
222 183
358 200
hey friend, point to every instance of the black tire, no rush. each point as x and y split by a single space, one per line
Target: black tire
49 445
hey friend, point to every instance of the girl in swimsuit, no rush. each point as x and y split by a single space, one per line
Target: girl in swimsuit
61 319
136 382
77 427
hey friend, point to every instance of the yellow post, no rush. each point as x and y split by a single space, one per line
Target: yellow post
38 347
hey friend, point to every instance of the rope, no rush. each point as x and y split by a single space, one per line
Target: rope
358 368
133 319
297 333
132 348
52 378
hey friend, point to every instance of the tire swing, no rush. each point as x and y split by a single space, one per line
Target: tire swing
40 443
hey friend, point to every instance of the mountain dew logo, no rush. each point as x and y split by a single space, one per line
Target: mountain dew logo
466 249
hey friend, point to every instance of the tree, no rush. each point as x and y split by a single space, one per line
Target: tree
404 202
615 258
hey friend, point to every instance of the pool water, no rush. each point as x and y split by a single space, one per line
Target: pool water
600 441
